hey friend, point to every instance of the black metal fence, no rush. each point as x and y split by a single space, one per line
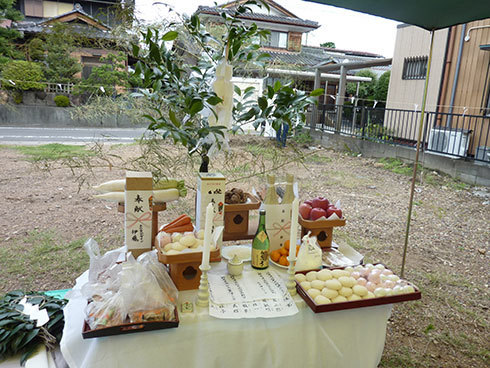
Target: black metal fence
456 135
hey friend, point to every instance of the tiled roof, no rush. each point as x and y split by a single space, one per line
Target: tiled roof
311 56
213 10
38 27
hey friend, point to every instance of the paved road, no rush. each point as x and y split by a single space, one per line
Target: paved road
24 135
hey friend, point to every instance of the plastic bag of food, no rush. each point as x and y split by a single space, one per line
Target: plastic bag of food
106 312
101 264
309 255
150 261
141 290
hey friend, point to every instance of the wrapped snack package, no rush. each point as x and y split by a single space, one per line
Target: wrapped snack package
309 255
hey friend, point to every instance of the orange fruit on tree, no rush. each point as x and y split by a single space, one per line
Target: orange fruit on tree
283 261
275 255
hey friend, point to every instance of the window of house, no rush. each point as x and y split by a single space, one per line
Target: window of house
33 8
415 67
276 39
54 8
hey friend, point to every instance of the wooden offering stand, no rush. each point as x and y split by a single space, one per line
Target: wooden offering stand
322 229
157 207
237 219
184 268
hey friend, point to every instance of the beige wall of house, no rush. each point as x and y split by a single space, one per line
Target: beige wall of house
413 41
406 94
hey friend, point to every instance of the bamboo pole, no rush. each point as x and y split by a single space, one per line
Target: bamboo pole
419 138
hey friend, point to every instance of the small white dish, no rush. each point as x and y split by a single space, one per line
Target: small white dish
243 252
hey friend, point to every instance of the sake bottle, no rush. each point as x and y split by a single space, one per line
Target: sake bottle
270 194
289 193
260 245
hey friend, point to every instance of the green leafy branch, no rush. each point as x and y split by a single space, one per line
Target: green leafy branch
19 334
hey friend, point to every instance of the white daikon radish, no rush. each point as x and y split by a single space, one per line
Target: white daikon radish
111 186
165 195
111 196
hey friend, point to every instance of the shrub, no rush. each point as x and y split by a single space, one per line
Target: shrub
25 74
18 97
62 101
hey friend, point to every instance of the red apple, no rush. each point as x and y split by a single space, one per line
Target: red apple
309 201
332 209
320 202
316 213
304 210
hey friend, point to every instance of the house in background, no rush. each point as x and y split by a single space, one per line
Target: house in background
90 19
458 98
38 10
290 58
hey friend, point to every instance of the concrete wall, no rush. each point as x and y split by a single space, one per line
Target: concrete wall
466 171
49 116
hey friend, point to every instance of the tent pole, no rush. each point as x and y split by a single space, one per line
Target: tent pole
419 138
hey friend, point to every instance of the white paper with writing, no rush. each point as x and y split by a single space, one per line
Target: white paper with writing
254 294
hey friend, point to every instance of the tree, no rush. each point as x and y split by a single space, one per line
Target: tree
381 90
7 34
61 67
366 89
104 79
181 85
329 44
22 75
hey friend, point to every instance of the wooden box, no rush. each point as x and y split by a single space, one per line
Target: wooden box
355 303
237 219
126 328
322 229
184 268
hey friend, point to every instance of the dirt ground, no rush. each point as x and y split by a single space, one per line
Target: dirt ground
45 218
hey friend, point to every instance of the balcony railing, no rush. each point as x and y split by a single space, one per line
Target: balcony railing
455 135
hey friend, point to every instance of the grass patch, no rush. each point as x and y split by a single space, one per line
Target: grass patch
302 138
397 166
401 358
357 243
42 256
467 345
315 158
268 152
53 152
457 185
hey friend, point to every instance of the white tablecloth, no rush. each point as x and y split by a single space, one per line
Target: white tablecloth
351 338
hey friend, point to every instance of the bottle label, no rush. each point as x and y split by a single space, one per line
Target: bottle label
262 236
260 258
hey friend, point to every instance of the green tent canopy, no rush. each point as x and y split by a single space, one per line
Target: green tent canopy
428 14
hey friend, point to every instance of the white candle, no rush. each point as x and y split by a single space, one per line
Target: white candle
207 235
294 229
